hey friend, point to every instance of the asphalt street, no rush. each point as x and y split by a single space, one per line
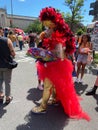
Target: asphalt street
17 115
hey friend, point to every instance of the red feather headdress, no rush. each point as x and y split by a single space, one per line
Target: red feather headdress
62 27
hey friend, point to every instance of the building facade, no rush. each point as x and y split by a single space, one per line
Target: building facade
7 20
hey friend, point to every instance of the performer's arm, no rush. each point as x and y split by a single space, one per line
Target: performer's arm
60 51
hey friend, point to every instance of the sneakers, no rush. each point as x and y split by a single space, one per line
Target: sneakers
77 80
40 87
81 81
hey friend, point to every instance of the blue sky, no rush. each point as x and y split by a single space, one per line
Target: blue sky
33 7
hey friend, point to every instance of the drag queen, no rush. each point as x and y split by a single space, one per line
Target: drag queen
58 74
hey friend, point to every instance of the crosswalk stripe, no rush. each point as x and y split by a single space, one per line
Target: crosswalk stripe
23 57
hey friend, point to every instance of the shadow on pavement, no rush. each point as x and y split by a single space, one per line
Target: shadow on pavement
53 119
34 94
94 71
80 88
2 110
91 70
96 98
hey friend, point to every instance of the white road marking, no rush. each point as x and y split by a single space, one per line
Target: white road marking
23 57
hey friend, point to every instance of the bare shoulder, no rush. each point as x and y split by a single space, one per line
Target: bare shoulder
10 45
9 41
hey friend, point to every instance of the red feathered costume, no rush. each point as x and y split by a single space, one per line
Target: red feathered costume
60 72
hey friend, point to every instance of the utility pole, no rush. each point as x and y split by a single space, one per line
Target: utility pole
11 20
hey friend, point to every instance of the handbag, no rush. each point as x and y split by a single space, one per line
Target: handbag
89 59
12 65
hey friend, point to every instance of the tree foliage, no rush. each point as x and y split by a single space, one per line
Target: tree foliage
36 27
75 15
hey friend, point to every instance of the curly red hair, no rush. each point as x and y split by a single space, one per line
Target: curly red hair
62 27
50 13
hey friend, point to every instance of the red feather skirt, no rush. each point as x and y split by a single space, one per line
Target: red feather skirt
60 73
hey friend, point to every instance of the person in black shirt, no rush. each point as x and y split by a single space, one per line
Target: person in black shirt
31 39
6 51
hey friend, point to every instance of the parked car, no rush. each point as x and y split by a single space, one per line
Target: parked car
20 31
25 36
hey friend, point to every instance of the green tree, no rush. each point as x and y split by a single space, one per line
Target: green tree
75 15
81 30
36 27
